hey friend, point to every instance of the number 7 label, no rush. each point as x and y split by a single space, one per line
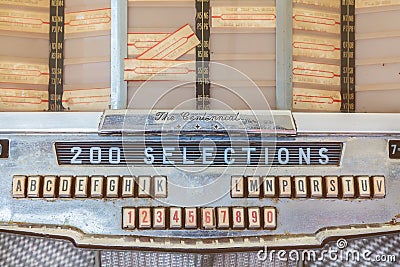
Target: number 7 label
223 217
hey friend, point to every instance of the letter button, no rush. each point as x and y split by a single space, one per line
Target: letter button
112 186
316 186
379 186
96 186
253 186
19 186
237 186
160 187
34 183
269 186
159 218
331 186
128 218
285 187
65 186
144 185
208 218
300 186
347 186
49 186
364 186
128 186
81 186
144 218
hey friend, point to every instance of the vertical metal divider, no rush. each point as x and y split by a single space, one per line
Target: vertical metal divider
347 56
56 58
119 51
202 26
284 54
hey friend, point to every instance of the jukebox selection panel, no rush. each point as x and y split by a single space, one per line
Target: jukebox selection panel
212 189
201 54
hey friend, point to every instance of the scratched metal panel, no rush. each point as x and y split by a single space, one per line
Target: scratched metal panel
34 155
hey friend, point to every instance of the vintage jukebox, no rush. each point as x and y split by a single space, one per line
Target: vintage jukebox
199 133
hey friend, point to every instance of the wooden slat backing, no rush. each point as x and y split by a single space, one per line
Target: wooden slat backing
360 4
88 21
229 47
316 100
246 17
24 51
86 99
15 20
28 3
19 72
22 99
24 55
378 56
87 55
316 55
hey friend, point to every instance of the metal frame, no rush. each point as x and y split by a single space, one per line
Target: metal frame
92 122
284 54
119 51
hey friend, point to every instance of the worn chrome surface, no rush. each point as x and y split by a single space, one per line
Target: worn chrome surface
97 222
176 122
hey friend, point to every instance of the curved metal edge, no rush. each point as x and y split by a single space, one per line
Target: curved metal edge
128 242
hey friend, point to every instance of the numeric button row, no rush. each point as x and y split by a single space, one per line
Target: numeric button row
199 218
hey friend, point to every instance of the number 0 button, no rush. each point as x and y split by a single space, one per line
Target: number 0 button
269 218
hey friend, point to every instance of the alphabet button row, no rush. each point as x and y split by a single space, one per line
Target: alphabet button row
199 218
308 187
89 186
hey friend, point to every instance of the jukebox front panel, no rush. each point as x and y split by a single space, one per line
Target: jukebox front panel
256 179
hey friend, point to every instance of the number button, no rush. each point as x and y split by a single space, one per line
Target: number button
159 218
128 218
144 218
190 218
238 218
223 217
175 218
208 218
254 218
269 218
